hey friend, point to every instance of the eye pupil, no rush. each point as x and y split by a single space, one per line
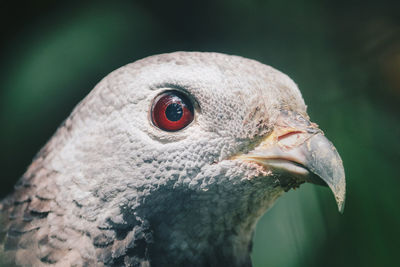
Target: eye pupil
174 112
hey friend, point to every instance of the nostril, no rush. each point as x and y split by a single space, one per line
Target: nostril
288 134
291 139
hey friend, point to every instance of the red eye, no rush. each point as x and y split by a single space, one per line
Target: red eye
172 111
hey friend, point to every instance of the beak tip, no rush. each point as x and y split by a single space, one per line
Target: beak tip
340 204
339 191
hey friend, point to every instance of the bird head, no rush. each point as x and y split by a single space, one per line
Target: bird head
193 148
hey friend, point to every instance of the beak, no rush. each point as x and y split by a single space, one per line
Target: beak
297 150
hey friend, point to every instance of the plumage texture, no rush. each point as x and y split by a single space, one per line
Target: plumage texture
111 189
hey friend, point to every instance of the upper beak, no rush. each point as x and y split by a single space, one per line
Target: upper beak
298 149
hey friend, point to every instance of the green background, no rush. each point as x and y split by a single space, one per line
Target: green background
344 55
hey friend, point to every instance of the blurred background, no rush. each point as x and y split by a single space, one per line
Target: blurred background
344 55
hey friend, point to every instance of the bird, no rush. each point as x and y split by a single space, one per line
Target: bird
168 161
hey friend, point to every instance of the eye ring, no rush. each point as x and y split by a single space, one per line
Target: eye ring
172 111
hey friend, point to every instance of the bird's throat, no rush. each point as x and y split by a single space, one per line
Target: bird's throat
204 228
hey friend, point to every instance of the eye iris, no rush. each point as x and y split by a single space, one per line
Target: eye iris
174 112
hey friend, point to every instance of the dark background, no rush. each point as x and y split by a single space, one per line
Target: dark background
344 55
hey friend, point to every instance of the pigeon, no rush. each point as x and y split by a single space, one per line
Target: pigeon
169 161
